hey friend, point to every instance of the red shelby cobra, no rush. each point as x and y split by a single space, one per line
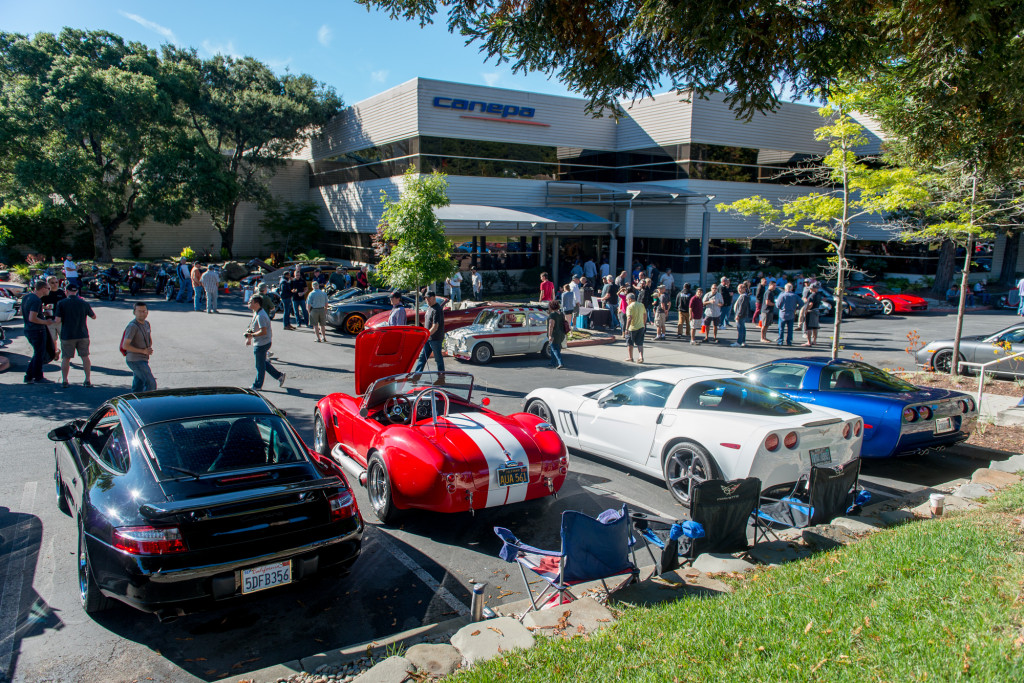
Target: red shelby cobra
416 441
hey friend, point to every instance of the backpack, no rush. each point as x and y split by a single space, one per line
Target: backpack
124 339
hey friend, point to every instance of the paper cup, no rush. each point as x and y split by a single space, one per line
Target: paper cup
937 502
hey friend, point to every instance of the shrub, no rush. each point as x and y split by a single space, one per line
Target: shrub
188 253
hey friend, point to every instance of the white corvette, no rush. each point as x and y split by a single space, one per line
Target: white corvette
688 424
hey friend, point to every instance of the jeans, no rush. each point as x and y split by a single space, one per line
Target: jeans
726 316
431 347
197 298
211 300
142 376
38 339
785 326
263 365
613 316
184 290
457 293
741 331
299 311
286 304
556 354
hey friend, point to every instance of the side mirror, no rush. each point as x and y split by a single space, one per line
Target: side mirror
604 398
64 433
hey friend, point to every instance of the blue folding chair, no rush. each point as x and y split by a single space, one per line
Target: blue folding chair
592 549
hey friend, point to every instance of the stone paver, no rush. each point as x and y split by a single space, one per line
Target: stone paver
391 670
827 536
485 640
951 504
896 517
436 659
972 491
1013 464
578 617
778 552
990 477
720 563
858 525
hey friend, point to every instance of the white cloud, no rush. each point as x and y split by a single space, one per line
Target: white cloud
167 33
325 35
491 78
379 76
227 49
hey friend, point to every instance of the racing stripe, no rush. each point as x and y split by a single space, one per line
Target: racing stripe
517 493
487 435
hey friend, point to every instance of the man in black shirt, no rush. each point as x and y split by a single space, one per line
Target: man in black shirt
72 312
35 331
433 320
287 299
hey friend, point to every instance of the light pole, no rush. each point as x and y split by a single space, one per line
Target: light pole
705 239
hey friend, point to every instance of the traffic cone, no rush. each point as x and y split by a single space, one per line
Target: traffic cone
703 329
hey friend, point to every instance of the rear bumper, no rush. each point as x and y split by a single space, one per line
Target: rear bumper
149 584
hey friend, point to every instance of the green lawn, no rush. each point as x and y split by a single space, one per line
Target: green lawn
932 601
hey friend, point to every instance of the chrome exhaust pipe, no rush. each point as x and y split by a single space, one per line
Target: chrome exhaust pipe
169 614
352 469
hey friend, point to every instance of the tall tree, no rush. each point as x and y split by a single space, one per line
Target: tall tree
85 118
859 192
411 241
293 226
245 122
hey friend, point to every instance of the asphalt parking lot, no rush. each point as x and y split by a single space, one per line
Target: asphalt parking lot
407 576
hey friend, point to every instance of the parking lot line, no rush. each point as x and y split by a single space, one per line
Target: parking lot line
385 542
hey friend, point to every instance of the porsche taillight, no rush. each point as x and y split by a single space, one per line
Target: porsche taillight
149 540
342 505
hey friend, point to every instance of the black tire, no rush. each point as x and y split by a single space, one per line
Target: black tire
545 351
483 353
539 408
62 498
887 307
943 361
686 463
353 324
320 435
93 601
378 486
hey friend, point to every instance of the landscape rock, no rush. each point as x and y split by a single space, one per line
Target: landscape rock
436 659
578 617
695 579
233 270
858 525
827 536
720 563
1013 464
896 517
951 504
391 670
995 478
777 552
485 640
973 491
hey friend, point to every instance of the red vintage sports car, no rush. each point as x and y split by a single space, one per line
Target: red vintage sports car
890 300
415 440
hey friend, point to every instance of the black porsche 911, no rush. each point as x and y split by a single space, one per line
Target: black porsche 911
185 497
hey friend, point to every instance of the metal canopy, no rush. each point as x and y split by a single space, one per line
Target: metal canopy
475 218
618 194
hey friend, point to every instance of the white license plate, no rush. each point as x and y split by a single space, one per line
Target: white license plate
267 576
820 455
943 424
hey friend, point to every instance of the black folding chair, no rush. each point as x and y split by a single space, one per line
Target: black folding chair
817 498
720 512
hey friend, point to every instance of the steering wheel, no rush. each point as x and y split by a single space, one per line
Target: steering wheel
432 395
396 409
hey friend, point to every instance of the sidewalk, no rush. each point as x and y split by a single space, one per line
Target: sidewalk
662 353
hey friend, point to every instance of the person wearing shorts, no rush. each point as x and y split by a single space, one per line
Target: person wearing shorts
316 306
72 312
636 326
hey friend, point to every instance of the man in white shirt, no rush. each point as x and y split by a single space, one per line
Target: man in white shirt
1020 297
456 281
210 281
606 269
668 282
478 284
577 296
71 272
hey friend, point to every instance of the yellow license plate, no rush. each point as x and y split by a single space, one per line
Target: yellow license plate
510 476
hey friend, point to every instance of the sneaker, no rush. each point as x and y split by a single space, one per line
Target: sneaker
64 384
559 367
735 345
280 382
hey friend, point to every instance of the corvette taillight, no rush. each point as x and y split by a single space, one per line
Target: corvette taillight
772 442
925 412
909 415
847 430
342 505
149 540
790 440
856 428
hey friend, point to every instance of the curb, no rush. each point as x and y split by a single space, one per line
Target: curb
594 340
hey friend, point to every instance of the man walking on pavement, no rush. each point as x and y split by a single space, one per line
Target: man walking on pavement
210 281
787 303
556 333
287 300
316 308
260 337
636 327
74 332
433 320
137 346
299 290
36 331
741 308
771 293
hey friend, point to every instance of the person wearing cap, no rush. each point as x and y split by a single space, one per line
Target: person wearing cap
398 316
577 296
72 312
433 320
478 284
316 307
71 271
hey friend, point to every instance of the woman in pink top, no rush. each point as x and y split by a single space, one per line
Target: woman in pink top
622 309
547 288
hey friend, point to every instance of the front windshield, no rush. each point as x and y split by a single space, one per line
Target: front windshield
345 294
218 443
458 384
861 377
488 317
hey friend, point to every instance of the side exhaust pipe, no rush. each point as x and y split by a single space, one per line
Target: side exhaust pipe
353 470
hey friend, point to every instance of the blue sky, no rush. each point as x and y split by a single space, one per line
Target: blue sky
357 52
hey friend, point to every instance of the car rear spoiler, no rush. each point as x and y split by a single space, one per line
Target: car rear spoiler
822 423
172 508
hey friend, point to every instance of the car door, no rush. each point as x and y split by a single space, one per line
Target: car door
512 334
621 421
538 336
92 443
1012 342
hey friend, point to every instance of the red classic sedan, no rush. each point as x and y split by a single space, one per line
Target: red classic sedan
453 320
890 300
415 439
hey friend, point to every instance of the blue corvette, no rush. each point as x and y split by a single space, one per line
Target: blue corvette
899 418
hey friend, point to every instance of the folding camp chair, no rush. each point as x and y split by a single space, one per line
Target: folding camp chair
817 498
592 549
720 511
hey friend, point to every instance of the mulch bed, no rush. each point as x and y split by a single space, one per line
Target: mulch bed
1010 440
963 383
